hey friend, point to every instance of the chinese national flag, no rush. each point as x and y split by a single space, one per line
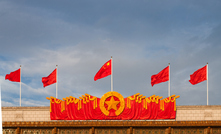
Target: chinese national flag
198 76
14 76
162 76
50 79
104 71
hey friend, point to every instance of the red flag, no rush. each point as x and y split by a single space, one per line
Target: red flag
104 71
14 76
50 79
198 76
162 76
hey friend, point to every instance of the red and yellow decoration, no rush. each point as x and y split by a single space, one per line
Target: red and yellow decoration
112 106
115 104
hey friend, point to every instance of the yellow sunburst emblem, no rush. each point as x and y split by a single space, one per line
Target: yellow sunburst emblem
117 104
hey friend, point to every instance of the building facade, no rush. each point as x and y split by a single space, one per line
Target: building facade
36 120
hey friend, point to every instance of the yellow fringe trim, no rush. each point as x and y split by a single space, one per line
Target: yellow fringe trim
129 99
155 99
57 101
88 98
171 98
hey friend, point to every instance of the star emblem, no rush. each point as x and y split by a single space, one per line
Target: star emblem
112 104
108 99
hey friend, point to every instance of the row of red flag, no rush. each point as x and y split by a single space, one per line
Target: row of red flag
16 77
195 78
163 76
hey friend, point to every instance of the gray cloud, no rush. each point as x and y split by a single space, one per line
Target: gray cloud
79 37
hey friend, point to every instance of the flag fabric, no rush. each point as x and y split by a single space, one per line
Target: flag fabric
50 79
104 71
162 76
14 76
198 76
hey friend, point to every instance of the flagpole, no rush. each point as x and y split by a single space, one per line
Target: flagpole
169 81
111 75
20 85
207 84
56 81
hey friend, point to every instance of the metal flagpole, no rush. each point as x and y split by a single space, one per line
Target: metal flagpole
111 75
169 81
56 81
207 84
20 85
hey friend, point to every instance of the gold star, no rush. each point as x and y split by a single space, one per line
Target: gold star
106 65
112 104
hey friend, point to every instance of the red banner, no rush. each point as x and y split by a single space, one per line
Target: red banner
112 106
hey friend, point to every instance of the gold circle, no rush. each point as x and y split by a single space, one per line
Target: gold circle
107 95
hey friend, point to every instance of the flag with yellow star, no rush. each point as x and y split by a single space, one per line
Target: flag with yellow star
104 71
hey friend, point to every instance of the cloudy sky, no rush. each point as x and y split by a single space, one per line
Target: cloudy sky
80 36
